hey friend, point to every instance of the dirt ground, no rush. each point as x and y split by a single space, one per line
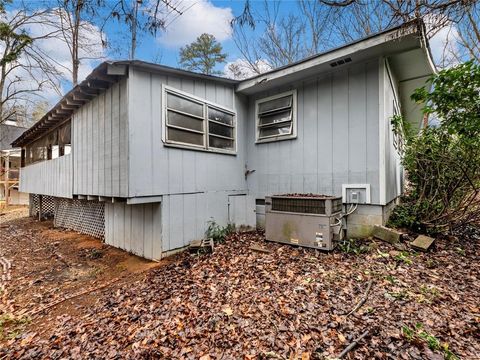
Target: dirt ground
237 303
49 265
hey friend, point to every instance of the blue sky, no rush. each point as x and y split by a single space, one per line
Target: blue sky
202 16
151 47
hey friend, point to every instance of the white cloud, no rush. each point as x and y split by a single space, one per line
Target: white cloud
55 52
90 49
201 17
241 69
444 46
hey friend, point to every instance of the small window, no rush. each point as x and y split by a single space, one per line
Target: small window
190 121
276 118
221 132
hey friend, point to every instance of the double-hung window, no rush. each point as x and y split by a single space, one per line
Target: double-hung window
276 117
193 122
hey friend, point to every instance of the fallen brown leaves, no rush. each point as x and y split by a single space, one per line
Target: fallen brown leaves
238 303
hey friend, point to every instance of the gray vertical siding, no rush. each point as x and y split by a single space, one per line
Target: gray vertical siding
151 230
185 216
50 177
156 169
194 185
392 159
100 146
337 142
135 228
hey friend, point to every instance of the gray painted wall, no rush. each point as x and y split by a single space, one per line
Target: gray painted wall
393 168
196 186
185 216
337 142
99 144
49 177
153 230
156 169
135 228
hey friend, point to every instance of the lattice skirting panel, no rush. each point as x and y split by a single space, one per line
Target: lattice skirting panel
48 205
86 217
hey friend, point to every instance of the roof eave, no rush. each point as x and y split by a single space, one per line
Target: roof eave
363 46
98 79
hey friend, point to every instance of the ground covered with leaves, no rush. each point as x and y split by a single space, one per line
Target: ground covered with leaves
287 303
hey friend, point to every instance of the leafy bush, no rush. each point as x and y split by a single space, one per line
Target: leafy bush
218 233
442 162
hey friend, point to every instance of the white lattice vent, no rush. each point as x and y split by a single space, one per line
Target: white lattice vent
86 217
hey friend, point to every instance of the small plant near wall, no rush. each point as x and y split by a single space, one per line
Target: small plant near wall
353 246
442 161
217 232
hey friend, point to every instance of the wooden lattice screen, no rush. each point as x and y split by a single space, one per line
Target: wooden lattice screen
48 205
86 217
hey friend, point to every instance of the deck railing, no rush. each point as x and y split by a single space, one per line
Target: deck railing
50 177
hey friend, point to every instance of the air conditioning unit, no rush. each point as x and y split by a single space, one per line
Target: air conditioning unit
306 220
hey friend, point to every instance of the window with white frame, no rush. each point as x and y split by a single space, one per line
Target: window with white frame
276 117
193 122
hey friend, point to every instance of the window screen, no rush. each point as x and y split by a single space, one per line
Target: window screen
198 123
50 146
275 117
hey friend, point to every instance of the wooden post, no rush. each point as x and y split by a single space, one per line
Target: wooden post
22 159
7 178
49 152
40 207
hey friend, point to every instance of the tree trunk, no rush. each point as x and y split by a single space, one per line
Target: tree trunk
75 35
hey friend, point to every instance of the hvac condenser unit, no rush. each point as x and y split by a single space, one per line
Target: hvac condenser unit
312 221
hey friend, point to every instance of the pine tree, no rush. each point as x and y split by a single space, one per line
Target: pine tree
202 55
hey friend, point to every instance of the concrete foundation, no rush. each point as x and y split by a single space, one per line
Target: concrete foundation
360 224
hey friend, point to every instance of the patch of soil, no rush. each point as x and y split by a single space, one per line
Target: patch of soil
49 265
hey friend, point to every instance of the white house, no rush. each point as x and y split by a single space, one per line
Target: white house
145 154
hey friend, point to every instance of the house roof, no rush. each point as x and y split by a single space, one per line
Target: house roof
386 43
100 79
404 38
151 67
9 133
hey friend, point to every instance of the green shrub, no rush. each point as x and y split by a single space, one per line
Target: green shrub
442 162
218 233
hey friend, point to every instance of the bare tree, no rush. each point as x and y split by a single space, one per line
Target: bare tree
24 66
143 16
327 23
285 39
317 19
464 40
74 20
438 13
